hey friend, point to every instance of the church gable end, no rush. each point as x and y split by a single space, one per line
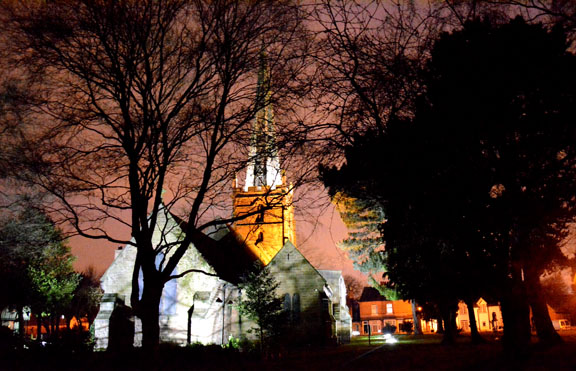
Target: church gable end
305 294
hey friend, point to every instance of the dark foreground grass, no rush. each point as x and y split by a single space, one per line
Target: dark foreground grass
410 353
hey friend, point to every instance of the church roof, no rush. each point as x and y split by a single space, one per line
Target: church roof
230 258
289 264
330 275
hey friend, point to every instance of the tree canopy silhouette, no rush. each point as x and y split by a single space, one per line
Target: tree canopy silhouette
478 188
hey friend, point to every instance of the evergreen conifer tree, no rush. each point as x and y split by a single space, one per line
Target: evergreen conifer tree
261 305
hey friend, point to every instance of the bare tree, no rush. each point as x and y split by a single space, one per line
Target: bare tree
368 57
353 287
546 11
137 98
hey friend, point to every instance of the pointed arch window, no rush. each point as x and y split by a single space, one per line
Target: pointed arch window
287 303
259 239
296 307
169 293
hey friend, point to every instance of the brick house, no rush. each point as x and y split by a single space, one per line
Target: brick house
375 312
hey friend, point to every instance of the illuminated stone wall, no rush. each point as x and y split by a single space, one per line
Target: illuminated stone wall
213 318
296 275
202 308
269 222
340 310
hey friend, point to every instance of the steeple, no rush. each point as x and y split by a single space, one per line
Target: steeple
264 165
263 208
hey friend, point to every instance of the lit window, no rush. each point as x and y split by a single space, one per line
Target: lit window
374 309
389 309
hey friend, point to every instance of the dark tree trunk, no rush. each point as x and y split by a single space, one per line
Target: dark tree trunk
474 334
189 329
415 319
57 321
135 293
47 323
51 322
149 314
440 329
448 312
516 316
38 328
261 340
541 317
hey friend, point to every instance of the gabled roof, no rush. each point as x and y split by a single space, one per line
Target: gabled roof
289 248
371 294
330 275
230 258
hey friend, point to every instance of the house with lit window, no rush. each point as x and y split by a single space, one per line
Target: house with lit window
376 313
488 316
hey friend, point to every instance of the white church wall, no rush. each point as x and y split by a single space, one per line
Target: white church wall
206 321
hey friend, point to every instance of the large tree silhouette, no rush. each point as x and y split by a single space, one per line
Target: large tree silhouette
137 98
478 188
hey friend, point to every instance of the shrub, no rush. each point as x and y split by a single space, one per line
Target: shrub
406 327
389 329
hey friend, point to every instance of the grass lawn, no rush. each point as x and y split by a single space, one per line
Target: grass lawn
409 353
426 353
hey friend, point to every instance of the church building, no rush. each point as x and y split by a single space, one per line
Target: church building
203 308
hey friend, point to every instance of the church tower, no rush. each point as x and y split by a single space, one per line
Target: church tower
265 198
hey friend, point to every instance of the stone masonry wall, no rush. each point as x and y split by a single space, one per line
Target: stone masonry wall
296 275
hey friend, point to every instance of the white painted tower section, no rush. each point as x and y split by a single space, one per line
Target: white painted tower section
264 164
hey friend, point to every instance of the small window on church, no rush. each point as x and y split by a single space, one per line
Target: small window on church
296 307
260 238
287 303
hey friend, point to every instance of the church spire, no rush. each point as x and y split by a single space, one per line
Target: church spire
264 166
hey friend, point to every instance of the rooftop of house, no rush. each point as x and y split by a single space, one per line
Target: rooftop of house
371 294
